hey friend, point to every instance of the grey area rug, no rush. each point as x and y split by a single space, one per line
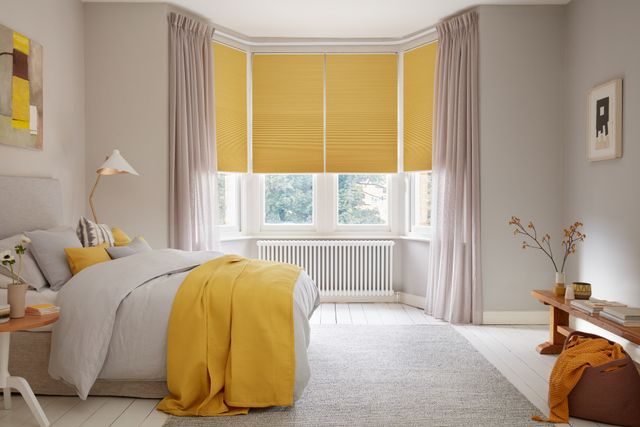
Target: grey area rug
392 376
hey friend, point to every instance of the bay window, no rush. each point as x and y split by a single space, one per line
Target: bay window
288 200
421 207
362 199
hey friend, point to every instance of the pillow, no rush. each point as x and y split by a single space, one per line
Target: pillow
47 247
120 237
31 273
81 258
137 245
92 234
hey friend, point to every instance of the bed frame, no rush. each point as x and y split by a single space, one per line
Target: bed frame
36 203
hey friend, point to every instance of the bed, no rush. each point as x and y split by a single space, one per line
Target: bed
111 338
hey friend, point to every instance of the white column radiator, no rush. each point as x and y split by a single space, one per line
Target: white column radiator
342 268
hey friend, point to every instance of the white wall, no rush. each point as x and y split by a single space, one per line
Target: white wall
127 65
58 27
521 146
602 44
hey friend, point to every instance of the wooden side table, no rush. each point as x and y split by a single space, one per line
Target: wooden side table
7 382
559 312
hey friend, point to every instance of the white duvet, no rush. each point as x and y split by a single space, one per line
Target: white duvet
114 318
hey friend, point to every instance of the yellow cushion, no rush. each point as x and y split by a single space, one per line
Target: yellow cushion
81 258
121 238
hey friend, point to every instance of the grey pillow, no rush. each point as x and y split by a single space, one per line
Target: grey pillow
137 245
47 247
31 273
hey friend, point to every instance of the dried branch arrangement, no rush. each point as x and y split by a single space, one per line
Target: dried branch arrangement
572 236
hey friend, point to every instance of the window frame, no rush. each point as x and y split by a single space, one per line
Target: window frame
237 227
415 229
265 227
361 228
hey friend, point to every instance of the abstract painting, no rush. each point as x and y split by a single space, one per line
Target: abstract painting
20 90
604 124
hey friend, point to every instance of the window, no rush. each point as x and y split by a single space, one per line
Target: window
229 201
363 199
421 201
288 200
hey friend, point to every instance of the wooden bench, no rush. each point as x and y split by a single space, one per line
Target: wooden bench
559 312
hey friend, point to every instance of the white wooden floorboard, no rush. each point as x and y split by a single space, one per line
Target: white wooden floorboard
417 316
343 316
54 407
111 410
400 316
136 413
372 314
478 341
155 419
357 314
18 415
328 314
522 358
80 412
530 358
511 349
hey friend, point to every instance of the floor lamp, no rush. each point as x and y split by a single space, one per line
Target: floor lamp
114 165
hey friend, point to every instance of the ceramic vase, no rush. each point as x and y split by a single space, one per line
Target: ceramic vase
559 288
16 299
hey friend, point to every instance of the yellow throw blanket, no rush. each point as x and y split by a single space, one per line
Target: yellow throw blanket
230 339
579 355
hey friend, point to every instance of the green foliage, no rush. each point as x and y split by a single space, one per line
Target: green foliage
288 199
358 196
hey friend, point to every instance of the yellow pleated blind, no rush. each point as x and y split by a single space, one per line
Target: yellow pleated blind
230 71
419 78
361 129
288 101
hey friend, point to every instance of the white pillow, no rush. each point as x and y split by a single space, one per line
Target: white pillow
92 234
30 271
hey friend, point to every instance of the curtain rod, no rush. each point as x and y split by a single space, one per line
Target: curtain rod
315 42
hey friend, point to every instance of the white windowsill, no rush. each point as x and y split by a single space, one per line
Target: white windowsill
416 238
324 237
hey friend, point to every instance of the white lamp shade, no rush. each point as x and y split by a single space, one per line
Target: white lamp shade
116 164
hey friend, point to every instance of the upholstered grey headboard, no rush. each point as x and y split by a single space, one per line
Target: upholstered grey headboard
29 204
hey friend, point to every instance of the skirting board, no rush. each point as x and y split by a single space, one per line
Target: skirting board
489 317
412 300
515 317
357 299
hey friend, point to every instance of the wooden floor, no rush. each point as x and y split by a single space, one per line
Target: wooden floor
509 348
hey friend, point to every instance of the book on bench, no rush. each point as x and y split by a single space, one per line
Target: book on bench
594 305
627 316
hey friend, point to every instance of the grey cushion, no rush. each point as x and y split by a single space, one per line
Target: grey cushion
31 273
92 234
137 245
47 247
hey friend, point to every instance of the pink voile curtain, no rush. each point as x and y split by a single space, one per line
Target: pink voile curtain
454 288
192 153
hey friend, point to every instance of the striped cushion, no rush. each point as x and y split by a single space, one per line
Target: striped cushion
92 234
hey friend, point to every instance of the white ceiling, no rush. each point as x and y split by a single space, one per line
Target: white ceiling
330 18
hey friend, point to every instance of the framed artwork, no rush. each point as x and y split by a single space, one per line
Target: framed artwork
20 90
604 121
